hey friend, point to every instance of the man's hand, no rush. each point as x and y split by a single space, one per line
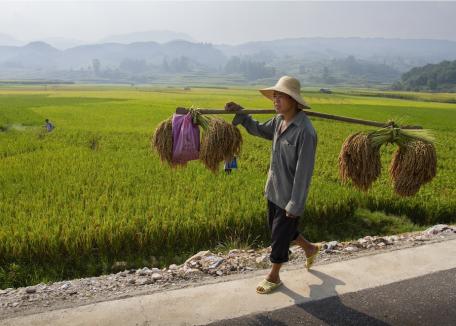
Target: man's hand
233 107
289 215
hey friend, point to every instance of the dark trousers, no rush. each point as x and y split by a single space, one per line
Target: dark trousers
283 230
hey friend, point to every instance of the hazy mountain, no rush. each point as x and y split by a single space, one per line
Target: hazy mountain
152 52
57 42
62 43
147 36
313 60
41 54
6 39
399 53
32 55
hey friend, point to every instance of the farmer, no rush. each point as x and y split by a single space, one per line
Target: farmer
294 142
48 125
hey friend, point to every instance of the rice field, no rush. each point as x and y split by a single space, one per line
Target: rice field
74 201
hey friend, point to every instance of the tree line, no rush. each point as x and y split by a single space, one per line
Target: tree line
432 77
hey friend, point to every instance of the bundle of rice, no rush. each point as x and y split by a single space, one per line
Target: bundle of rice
415 161
359 160
414 164
221 141
162 141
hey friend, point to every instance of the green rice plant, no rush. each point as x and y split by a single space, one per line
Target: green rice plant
69 211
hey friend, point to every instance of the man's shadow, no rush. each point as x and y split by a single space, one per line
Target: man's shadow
325 304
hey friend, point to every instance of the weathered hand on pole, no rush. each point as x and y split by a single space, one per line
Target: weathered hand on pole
233 107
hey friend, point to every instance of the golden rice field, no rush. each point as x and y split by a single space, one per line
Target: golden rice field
92 192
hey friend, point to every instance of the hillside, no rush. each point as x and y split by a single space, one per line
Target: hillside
315 61
433 77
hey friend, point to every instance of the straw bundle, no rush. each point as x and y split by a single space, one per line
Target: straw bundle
414 164
162 141
221 141
359 160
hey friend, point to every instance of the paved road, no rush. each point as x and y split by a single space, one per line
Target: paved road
425 300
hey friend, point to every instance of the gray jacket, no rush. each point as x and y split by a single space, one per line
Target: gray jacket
292 158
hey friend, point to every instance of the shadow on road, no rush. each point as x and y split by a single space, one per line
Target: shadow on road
330 310
323 306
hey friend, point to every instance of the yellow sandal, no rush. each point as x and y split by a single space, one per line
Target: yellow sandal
267 286
310 260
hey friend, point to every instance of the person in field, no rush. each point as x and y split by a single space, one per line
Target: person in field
230 165
48 125
294 143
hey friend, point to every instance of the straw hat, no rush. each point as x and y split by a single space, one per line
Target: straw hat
288 85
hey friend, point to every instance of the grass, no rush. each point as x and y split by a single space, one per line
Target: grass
74 201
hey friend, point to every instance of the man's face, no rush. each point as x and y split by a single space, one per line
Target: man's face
283 103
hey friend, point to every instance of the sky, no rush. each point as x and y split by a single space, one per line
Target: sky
228 22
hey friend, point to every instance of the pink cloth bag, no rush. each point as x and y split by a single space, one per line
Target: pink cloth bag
186 139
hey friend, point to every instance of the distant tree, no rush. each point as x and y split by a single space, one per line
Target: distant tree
326 76
96 66
352 69
133 65
251 69
432 84
181 64
440 76
233 65
165 65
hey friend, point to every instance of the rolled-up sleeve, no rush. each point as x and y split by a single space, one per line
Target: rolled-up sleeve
303 174
254 127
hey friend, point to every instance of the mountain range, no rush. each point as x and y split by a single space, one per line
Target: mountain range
284 54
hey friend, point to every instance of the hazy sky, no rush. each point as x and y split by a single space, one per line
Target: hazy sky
228 22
